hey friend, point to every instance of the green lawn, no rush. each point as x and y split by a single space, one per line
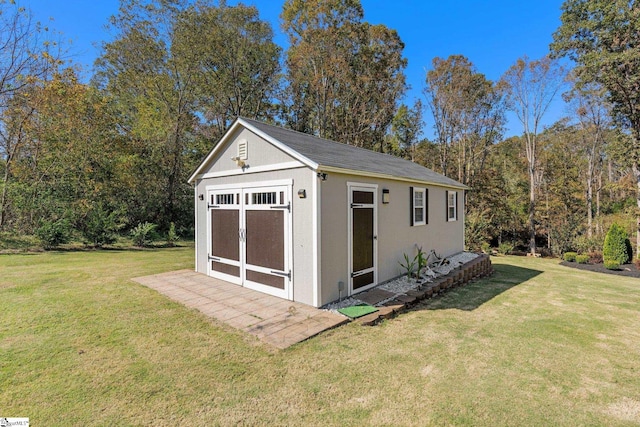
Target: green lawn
535 344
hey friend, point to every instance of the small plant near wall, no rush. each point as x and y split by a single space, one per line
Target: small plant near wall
408 266
421 261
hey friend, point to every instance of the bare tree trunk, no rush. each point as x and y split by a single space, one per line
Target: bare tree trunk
532 208
590 200
636 174
598 192
3 197
531 151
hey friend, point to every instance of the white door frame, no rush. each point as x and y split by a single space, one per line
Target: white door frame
243 190
373 188
212 194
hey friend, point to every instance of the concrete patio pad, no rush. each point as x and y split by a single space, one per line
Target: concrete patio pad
273 320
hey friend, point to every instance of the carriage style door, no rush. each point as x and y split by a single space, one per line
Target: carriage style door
250 237
362 237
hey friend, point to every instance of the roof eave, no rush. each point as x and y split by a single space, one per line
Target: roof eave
214 151
241 122
283 147
322 168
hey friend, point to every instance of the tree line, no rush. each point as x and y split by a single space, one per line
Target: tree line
102 157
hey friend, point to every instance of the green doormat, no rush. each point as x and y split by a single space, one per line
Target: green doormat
356 311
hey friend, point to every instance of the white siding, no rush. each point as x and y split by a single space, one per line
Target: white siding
395 235
263 154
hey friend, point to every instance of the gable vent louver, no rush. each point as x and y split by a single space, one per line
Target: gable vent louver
243 149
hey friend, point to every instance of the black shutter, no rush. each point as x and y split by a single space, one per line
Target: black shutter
411 206
446 206
457 206
426 206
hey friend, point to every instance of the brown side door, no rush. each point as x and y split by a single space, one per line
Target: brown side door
362 237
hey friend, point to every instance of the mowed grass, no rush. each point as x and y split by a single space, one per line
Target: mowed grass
535 344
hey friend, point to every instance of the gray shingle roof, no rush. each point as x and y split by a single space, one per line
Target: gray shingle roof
333 154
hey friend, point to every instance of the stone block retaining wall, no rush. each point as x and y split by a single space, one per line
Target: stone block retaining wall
475 269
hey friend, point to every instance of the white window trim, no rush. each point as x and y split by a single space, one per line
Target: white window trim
449 206
424 206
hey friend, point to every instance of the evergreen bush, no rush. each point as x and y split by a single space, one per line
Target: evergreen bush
143 234
569 256
172 235
505 248
611 265
54 233
101 226
582 259
616 246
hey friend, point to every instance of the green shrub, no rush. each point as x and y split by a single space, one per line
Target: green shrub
616 247
485 247
101 226
505 248
584 244
569 256
172 235
54 233
611 265
582 259
143 234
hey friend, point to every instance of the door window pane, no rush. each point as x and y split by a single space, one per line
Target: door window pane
362 239
363 197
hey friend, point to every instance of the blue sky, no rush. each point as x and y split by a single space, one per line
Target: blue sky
491 33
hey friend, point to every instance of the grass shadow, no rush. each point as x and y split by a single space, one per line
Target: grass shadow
73 248
475 294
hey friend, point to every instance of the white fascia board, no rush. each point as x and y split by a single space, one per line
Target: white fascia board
256 169
305 160
389 177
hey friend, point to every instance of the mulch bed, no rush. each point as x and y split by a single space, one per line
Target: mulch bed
628 270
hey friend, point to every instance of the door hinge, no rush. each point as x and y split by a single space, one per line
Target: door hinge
287 207
282 273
